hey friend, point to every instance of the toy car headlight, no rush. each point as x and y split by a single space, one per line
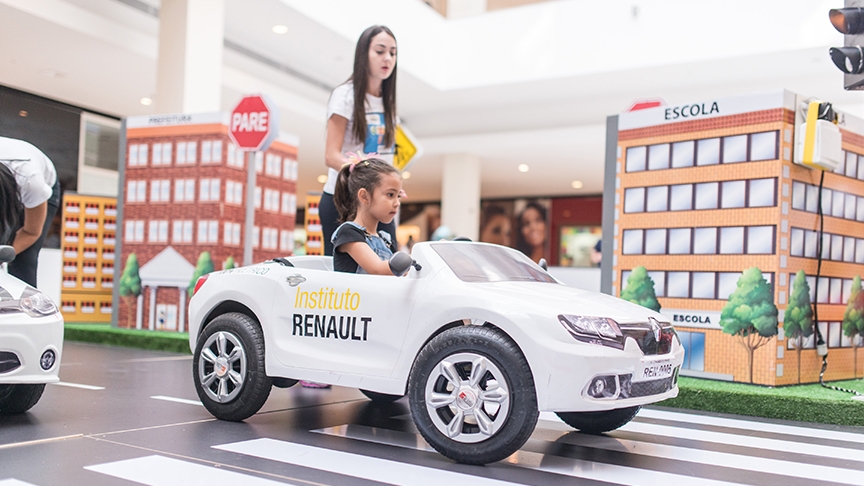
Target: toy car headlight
595 330
36 304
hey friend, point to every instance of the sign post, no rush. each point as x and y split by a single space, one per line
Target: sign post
253 127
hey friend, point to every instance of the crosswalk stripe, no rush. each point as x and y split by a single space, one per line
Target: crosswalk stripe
742 441
752 425
721 459
13 482
78 385
533 460
177 400
355 465
165 471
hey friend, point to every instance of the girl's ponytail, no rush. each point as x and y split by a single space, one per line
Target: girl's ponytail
343 199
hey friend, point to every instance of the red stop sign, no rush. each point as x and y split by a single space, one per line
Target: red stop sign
253 124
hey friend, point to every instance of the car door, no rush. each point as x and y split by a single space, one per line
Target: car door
343 322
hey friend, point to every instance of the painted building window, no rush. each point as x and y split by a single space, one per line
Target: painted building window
634 200
211 152
694 350
655 242
705 152
658 199
680 241
160 191
157 231
839 248
256 237
704 241
233 192
232 234
733 194
681 197
208 231
136 191
258 194
708 152
209 190
162 153
706 195
138 155
286 241
694 285
632 242
733 240
683 154
182 231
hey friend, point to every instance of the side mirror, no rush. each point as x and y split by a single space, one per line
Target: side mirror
543 264
7 254
400 262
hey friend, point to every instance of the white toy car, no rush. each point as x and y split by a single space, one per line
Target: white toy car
479 337
31 341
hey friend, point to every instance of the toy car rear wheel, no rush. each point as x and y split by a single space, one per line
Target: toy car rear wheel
228 367
472 395
599 422
19 398
380 397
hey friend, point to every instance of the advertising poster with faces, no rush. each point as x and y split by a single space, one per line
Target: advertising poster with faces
522 224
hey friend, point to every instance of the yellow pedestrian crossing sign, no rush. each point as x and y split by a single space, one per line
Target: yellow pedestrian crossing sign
406 148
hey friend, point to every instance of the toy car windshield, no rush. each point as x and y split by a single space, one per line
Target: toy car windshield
487 263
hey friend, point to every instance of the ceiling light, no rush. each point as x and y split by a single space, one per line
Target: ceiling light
523 167
22 113
576 184
322 179
406 175
146 101
280 29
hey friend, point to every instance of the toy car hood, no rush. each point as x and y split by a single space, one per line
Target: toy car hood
561 299
10 287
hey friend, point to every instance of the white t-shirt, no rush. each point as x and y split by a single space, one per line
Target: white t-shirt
34 171
342 104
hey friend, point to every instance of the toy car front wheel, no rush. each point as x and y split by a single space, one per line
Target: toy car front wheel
228 367
472 395
15 399
599 422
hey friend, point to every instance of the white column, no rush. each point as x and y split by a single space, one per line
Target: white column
139 311
151 315
181 318
189 71
460 195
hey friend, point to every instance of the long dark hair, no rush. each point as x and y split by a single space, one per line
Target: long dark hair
11 208
362 175
361 84
521 244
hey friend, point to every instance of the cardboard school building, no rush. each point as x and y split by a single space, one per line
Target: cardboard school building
706 190
184 192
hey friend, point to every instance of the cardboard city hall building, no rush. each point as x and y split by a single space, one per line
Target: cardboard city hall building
183 201
705 191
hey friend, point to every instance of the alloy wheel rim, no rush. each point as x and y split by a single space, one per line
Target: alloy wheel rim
467 397
222 367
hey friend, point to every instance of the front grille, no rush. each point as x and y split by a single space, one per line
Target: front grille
8 361
646 388
644 335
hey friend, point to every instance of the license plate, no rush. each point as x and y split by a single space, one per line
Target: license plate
653 370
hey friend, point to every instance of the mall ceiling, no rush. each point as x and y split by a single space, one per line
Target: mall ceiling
528 85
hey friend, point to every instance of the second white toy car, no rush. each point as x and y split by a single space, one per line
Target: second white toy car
478 336
31 341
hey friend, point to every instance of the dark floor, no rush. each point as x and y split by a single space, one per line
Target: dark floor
124 416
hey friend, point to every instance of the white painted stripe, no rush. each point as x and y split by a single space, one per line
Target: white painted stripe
365 467
753 426
13 482
78 385
549 463
165 471
743 441
178 400
722 459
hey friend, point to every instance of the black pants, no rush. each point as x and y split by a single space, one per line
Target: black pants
25 264
330 221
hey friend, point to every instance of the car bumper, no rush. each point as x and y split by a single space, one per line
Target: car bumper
573 368
23 342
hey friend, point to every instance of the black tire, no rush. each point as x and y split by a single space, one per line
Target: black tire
381 397
599 422
246 385
19 398
509 425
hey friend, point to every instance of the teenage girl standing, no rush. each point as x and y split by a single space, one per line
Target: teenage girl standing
361 117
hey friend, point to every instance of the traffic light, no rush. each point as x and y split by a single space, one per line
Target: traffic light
849 58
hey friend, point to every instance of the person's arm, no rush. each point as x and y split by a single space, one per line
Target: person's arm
368 260
34 219
336 126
